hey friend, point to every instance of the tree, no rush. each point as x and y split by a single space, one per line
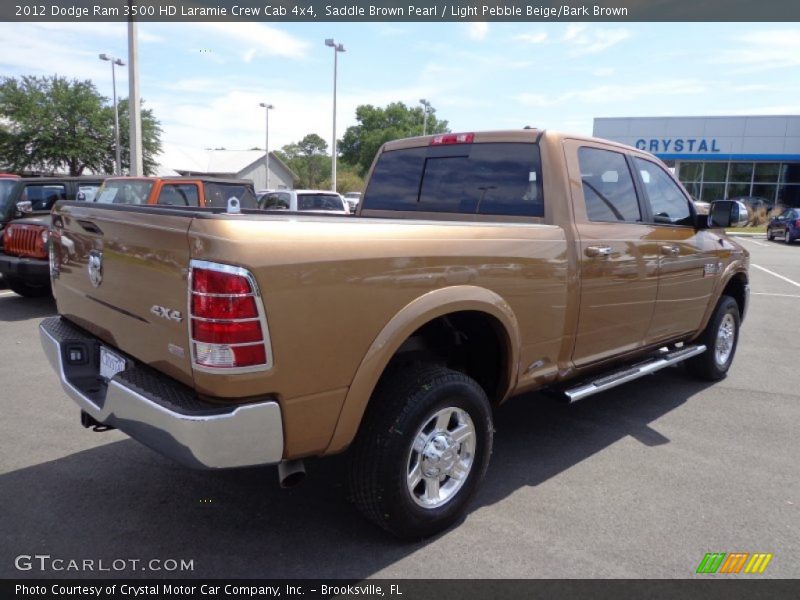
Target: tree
151 139
54 124
309 159
377 126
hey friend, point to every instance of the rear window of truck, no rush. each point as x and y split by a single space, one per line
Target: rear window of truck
485 179
217 194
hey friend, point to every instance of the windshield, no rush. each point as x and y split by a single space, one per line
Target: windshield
122 191
319 202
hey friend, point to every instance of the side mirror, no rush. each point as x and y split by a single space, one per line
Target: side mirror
24 207
727 213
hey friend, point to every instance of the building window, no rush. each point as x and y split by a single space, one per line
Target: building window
776 183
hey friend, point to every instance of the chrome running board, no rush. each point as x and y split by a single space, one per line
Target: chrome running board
626 374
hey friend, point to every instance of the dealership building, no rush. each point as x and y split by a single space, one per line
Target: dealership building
720 157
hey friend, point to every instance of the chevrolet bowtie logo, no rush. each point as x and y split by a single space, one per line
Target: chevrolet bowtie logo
732 563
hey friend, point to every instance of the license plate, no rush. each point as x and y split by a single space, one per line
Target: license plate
110 363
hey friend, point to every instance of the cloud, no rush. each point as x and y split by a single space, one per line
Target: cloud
478 30
586 40
757 50
257 39
532 38
616 93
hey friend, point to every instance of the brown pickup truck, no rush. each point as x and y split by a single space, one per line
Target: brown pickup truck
479 266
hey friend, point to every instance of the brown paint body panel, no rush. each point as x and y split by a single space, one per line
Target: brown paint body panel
342 294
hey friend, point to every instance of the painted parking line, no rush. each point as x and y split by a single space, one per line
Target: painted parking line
778 295
7 293
756 242
778 275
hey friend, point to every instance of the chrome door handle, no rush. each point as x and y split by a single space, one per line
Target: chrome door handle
670 250
598 251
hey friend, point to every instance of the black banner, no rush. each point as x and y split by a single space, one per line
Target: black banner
400 10
712 588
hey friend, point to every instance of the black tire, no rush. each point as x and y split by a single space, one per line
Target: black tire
770 235
787 236
405 401
708 365
29 290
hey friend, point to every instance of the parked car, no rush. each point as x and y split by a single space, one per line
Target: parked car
237 344
26 195
786 226
352 199
313 201
189 191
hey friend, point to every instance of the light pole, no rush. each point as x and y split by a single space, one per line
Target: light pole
336 49
426 106
267 107
115 62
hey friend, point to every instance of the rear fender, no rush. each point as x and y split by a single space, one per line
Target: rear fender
414 315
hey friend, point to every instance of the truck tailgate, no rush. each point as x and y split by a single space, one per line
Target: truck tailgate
122 276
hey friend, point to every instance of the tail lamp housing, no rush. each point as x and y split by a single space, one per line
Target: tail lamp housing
228 324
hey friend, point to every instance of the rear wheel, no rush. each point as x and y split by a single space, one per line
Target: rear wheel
29 290
422 450
720 338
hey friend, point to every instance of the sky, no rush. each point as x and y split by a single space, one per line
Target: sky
204 81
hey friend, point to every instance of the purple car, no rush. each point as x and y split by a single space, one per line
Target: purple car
785 226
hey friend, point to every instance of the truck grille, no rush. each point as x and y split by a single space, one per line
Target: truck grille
24 240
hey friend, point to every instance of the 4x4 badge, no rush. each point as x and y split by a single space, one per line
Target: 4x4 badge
95 267
166 313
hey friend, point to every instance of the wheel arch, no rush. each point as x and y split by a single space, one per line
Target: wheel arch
424 310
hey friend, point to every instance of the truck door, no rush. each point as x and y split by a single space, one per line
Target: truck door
618 264
688 263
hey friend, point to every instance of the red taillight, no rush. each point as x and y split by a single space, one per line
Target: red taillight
227 332
207 281
797 223
224 307
452 138
228 327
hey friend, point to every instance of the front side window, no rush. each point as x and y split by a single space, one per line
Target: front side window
276 201
486 179
43 197
608 188
179 194
667 202
123 191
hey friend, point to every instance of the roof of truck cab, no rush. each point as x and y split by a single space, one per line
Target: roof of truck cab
179 178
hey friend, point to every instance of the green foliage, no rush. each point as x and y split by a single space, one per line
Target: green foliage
53 124
310 161
347 180
151 139
377 126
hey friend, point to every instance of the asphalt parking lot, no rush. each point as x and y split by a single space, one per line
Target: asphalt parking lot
640 481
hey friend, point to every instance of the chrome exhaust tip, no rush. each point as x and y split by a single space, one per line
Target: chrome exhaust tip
291 473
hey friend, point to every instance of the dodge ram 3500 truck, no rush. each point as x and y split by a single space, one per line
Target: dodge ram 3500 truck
479 266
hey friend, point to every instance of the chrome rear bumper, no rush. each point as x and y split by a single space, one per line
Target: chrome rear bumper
160 412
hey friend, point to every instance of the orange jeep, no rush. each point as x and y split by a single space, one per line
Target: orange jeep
177 191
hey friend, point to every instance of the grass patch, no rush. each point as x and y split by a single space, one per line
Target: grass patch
756 229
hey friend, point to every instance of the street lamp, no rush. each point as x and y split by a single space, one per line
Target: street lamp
426 107
115 62
267 108
330 42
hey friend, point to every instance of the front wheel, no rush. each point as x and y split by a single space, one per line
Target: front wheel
422 450
770 235
787 237
720 338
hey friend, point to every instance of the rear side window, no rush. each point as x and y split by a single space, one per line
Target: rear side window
217 194
276 201
43 197
319 202
667 202
607 186
180 194
487 179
